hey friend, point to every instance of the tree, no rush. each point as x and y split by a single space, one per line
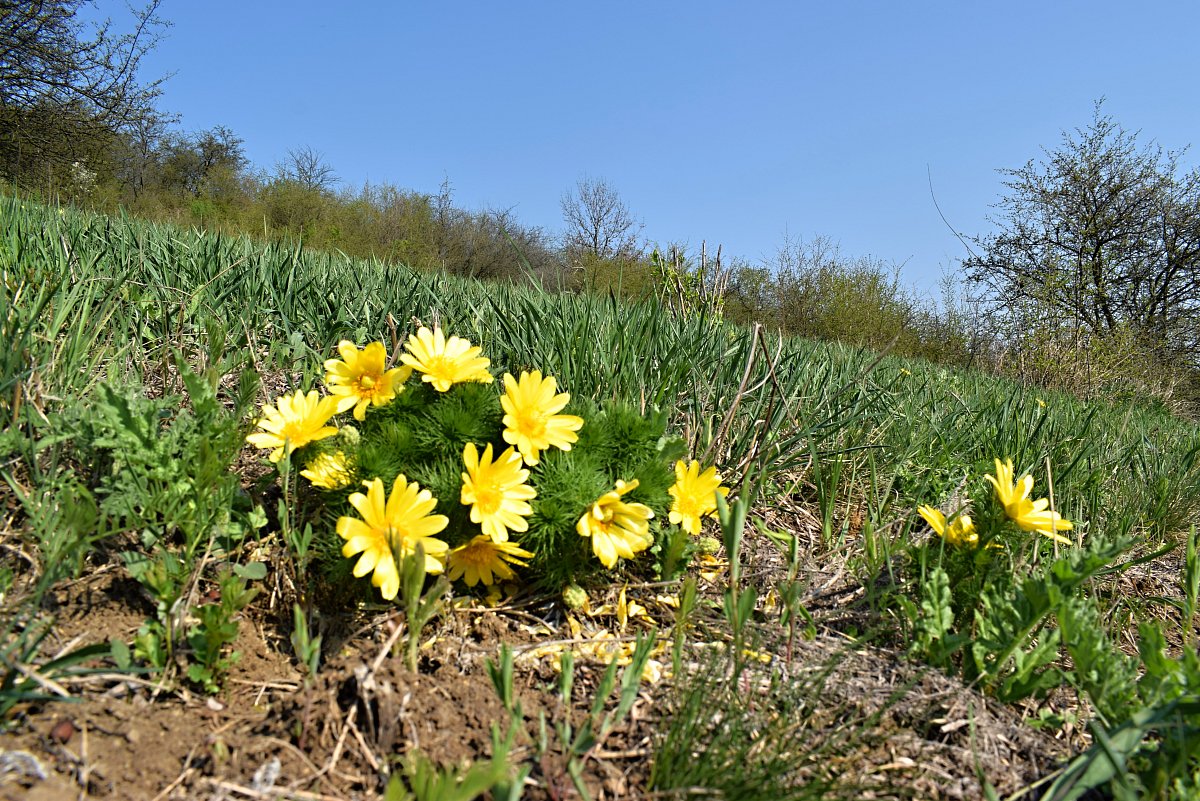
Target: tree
599 223
66 87
192 163
1099 240
308 168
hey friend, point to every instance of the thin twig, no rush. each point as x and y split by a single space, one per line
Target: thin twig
46 683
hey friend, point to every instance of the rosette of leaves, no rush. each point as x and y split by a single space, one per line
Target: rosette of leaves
616 443
422 434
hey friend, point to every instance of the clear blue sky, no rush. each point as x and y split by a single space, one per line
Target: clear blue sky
732 122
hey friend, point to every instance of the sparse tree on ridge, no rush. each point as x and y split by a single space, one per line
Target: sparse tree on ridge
307 167
1100 239
192 162
599 223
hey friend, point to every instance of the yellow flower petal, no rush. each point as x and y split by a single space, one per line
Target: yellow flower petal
294 421
695 495
1028 515
496 491
443 362
391 527
531 420
484 560
617 529
361 378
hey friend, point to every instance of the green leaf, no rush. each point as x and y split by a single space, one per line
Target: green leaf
252 571
257 517
121 655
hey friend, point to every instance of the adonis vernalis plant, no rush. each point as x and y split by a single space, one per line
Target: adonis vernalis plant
694 495
616 527
444 362
496 491
981 605
1029 515
390 530
520 483
531 420
293 422
959 533
361 378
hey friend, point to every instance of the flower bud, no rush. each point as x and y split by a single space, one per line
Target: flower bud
574 596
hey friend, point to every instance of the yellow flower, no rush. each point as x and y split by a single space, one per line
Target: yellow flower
496 491
1029 515
445 363
294 421
360 378
617 528
329 471
695 495
390 529
482 557
531 421
961 530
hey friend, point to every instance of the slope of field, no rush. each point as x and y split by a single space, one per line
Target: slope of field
819 659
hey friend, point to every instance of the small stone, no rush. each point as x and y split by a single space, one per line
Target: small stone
62 732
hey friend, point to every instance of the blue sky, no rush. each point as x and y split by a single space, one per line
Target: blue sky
732 122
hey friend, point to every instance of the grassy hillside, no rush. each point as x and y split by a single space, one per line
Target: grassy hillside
137 357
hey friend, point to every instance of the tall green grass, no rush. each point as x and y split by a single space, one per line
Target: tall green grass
87 296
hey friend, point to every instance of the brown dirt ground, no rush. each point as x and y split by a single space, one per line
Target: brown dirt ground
272 735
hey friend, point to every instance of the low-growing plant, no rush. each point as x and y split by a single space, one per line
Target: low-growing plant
64 523
464 471
577 742
421 779
1191 589
1147 742
1000 608
161 469
216 627
306 647
420 606
763 736
991 603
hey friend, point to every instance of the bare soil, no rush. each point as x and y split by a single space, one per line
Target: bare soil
273 734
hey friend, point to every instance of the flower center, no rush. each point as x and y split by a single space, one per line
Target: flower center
532 426
440 367
605 523
477 555
366 382
488 499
